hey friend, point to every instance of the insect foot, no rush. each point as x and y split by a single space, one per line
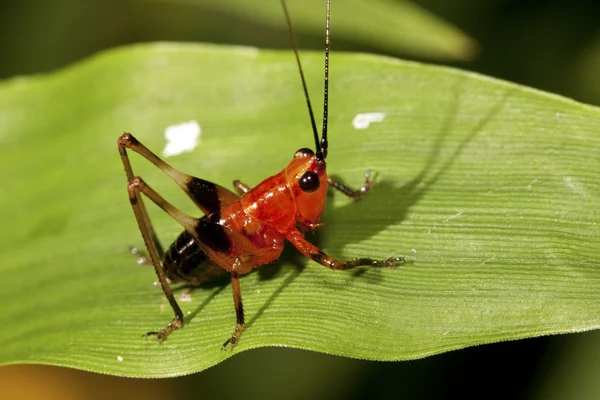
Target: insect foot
237 332
369 179
166 331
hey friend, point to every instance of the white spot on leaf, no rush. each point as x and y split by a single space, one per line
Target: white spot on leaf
362 121
181 138
119 358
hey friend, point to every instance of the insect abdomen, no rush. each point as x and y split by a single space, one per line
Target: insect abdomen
185 261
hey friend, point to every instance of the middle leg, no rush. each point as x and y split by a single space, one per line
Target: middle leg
239 311
243 264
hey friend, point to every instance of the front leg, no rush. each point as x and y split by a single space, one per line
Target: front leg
354 194
306 227
314 253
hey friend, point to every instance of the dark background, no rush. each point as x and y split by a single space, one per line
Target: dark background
552 45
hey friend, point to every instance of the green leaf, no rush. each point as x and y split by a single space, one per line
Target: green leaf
490 190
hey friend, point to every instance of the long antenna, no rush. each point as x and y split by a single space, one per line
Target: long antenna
295 46
323 150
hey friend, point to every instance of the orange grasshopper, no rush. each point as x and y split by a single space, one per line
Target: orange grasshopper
240 232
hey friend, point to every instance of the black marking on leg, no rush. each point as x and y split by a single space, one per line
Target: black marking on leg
318 257
213 235
205 193
239 313
323 259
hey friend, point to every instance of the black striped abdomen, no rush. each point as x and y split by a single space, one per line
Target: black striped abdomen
185 261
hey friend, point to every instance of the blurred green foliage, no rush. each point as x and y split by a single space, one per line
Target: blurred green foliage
547 45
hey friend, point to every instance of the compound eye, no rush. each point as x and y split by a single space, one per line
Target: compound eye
309 182
304 152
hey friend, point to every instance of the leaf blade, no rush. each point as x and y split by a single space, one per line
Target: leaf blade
493 185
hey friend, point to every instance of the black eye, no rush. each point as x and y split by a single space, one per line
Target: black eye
309 182
304 153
